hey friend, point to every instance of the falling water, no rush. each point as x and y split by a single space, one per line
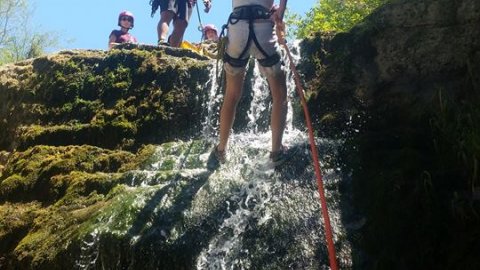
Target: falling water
253 205
241 216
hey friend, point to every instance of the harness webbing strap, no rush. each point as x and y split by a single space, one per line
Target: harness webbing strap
270 61
250 13
235 62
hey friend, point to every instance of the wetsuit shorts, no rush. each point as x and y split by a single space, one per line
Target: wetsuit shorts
267 39
181 8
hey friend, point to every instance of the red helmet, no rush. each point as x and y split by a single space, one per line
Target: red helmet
209 27
125 14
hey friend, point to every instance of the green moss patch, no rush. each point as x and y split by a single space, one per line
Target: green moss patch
36 174
122 98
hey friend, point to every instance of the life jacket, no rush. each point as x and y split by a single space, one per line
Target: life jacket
121 37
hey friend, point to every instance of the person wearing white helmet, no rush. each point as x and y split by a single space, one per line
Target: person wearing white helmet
251 32
126 22
210 32
178 11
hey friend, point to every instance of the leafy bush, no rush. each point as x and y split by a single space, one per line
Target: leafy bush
333 16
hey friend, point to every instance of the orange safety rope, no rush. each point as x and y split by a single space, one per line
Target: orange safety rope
280 29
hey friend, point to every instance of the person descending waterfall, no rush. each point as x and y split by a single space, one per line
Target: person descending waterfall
125 21
251 32
178 11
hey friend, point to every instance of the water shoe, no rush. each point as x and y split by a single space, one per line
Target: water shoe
216 158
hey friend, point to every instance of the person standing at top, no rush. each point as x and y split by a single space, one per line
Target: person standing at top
251 32
125 21
178 11
210 33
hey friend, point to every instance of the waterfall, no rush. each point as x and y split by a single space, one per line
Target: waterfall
174 214
251 205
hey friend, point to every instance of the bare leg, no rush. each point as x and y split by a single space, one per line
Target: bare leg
166 18
233 93
179 27
278 88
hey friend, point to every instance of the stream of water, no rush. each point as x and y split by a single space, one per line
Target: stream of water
245 218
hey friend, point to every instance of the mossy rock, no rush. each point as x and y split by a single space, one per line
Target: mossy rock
36 173
80 187
400 89
122 98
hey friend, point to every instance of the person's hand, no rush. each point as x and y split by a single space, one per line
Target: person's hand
208 5
277 13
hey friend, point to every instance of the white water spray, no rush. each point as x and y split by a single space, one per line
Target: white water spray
259 210
259 194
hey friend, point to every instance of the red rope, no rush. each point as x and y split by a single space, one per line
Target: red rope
328 228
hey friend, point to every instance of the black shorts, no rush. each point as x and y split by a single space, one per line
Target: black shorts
181 8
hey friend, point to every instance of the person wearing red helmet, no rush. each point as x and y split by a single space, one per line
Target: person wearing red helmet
210 32
178 11
126 22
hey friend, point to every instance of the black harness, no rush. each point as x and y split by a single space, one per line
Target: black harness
250 13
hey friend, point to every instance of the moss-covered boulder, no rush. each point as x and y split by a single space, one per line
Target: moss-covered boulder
47 173
81 186
167 213
47 189
122 98
402 87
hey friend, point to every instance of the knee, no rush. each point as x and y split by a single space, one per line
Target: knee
232 97
276 71
233 71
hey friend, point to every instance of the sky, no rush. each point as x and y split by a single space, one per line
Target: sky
86 24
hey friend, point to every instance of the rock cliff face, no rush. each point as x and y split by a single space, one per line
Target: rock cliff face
95 173
403 88
407 49
71 125
117 99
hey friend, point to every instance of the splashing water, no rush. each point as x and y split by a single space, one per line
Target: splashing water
238 217
89 252
254 205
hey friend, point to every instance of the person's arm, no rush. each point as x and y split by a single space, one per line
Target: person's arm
281 9
277 15
111 40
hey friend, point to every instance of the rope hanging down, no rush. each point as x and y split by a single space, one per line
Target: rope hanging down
280 29
200 27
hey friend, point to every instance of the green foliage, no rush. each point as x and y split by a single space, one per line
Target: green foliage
19 40
333 16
